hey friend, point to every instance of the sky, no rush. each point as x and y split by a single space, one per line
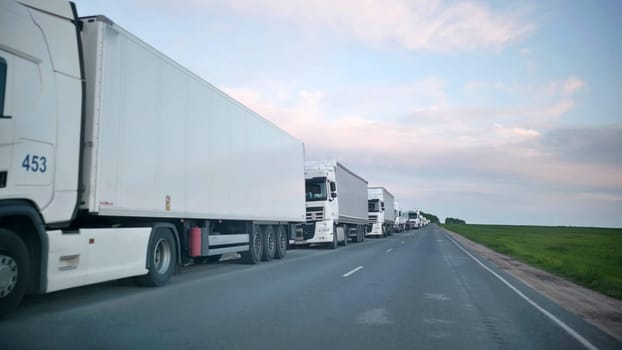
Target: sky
496 112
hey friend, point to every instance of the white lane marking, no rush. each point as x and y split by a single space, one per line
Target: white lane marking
351 272
374 317
389 250
556 320
436 296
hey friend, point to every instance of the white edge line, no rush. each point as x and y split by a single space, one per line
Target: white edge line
556 320
388 250
351 272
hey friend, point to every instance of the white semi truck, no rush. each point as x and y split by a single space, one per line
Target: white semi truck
115 161
381 213
336 205
400 221
413 219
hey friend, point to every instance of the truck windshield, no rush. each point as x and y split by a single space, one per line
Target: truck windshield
412 215
373 205
315 190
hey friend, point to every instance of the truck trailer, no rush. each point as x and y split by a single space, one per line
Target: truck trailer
115 161
335 204
380 211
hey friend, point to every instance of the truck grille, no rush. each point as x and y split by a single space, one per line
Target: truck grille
308 231
315 214
373 219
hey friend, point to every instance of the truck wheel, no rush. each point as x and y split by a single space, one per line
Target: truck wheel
355 239
14 271
269 244
333 244
161 258
345 237
255 247
281 243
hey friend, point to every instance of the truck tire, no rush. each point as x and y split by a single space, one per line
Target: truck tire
356 238
161 259
269 243
281 243
255 247
334 243
345 236
14 271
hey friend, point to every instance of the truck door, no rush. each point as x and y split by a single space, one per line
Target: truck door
6 124
27 129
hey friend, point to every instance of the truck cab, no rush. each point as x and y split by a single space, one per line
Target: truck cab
321 208
40 85
376 211
381 213
413 219
335 205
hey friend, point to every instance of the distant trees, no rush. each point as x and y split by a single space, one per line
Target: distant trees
432 218
454 221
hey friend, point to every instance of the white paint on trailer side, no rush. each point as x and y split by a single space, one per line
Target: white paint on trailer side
215 240
167 143
74 260
351 196
546 313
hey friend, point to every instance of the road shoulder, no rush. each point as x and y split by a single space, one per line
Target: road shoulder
600 310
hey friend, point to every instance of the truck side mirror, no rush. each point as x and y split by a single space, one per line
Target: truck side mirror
333 186
333 195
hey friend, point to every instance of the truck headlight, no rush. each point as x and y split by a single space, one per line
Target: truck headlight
322 227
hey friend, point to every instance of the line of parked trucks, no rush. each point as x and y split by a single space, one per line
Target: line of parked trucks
115 161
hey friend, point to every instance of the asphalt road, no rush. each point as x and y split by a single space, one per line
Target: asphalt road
413 290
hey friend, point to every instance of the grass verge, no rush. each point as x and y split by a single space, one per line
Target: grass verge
591 257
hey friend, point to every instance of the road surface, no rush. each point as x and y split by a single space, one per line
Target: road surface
414 290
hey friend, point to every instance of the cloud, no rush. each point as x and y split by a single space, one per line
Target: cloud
446 140
515 133
571 85
566 88
588 145
411 24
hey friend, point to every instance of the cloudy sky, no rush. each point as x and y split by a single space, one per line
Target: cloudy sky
494 112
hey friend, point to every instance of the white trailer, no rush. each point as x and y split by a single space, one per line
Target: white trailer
336 205
380 211
115 161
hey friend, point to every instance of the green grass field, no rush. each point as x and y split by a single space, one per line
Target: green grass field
591 257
